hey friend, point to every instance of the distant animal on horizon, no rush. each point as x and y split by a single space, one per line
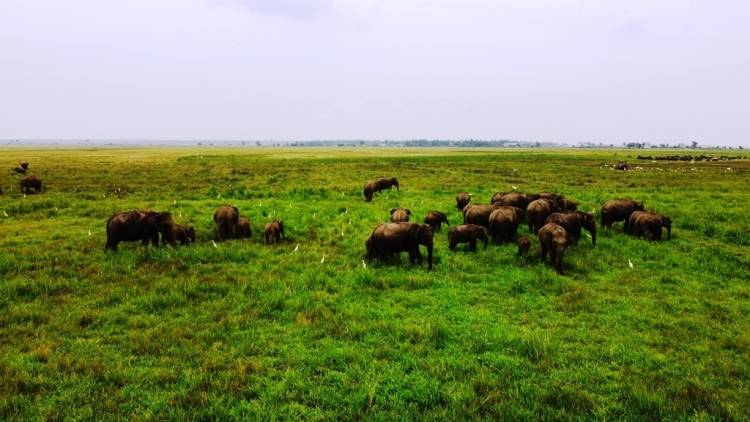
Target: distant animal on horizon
31 184
377 185
22 168
274 232
400 215
435 219
132 226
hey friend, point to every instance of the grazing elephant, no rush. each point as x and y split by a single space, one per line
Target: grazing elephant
400 215
467 233
516 199
504 223
274 232
436 219
131 226
554 239
393 238
226 218
377 185
31 184
573 222
182 234
562 203
22 169
243 228
462 200
649 224
524 244
538 211
497 197
479 214
618 210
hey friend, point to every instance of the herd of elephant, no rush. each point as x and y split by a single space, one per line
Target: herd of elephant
28 184
554 219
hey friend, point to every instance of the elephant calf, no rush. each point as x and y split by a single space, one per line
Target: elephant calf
554 239
649 224
504 223
467 233
391 239
181 233
462 200
616 210
243 228
274 232
436 219
31 184
132 226
524 244
400 215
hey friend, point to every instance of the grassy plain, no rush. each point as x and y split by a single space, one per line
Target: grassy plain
245 330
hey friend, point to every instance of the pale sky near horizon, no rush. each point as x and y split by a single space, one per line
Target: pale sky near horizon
553 71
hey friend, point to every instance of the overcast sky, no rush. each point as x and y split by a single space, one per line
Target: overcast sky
555 70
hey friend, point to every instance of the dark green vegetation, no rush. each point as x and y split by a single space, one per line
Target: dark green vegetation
247 330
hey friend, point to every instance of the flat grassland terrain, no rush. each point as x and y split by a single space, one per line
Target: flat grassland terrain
246 330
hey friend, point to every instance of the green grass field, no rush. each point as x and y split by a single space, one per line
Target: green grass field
250 331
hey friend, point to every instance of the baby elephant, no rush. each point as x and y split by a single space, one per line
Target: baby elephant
274 232
181 233
554 238
436 219
31 184
400 215
467 233
243 228
524 244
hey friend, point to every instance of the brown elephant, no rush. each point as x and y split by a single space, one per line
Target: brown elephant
31 184
562 203
616 210
538 211
649 224
182 234
22 169
274 232
378 185
573 222
462 200
467 233
436 219
524 244
479 214
497 197
226 218
400 215
516 199
554 239
390 239
504 223
132 226
243 228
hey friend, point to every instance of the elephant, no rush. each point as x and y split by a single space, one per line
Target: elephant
573 221
436 219
504 223
31 184
538 211
563 204
183 234
618 210
400 215
479 214
377 185
393 238
22 169
524 244
468 233
226 218
553 238
497 197
131 226
274 232
243 228
462 200
516 199
649 224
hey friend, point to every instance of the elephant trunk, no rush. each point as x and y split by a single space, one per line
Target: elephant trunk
593 237
429 256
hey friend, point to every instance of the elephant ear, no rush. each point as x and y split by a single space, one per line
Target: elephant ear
408 211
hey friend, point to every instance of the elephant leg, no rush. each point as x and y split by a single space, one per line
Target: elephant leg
544 251
473 245
452 245
552 256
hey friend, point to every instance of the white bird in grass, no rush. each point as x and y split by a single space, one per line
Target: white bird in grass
296 248
514 188
89 232
214 243
363 264
322 260
630 263
5 213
